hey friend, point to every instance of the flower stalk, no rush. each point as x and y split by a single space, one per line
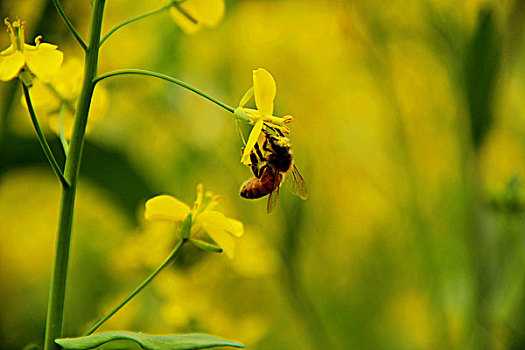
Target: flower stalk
69 24
42 139
134 19
167 78
137 290
55 312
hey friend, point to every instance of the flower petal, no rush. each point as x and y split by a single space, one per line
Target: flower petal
188 26
207 12
221 237
42 98
166 208
9 51
252 139
237 227
264 90
216 218
43 60
190 15
10 64
68 80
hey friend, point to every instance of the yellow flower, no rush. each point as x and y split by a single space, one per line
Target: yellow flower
192 15
63 88
263 91
204 217
42 59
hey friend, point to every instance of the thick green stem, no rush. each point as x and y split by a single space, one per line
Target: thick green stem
134 19
137 290
163 77
69 24
63 140
55 312
42 139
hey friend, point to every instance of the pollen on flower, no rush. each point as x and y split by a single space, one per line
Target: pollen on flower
16 36
8 25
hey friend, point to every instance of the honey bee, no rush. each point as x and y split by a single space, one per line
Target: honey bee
277 161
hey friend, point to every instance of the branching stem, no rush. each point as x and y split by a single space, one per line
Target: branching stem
69 24
42 139
133 19
57 290
163 77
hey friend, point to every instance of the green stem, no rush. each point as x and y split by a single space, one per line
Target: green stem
42 139
69 24
163 77
63 140
133 19
137 290
55 311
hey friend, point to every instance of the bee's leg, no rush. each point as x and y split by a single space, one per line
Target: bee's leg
255 165
265 145
277 131
259 153
255 170
253 159
261 171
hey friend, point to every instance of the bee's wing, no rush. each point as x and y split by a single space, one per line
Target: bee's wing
273 198
298 185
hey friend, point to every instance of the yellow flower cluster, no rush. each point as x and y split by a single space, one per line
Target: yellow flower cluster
204 218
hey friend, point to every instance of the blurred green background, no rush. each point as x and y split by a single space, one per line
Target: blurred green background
409 128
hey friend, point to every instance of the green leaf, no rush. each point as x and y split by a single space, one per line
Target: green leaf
131 340
482 70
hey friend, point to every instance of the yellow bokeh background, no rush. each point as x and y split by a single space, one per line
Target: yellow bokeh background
412 235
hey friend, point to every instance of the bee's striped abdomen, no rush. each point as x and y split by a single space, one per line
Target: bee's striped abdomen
257 188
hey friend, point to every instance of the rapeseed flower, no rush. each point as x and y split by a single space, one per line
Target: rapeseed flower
263 90
204 217
62 91
41 59
192 15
